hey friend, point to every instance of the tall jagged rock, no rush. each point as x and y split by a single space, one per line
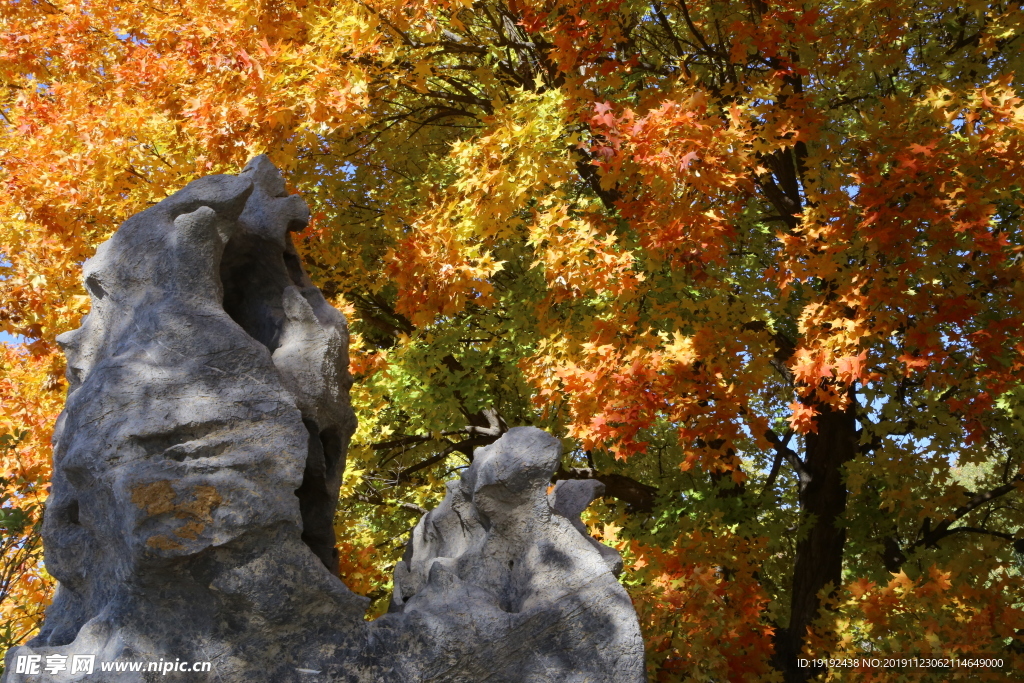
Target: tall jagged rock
196 471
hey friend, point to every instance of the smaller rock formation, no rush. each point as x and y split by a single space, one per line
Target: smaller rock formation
508 584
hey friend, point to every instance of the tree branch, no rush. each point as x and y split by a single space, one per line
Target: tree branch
640 497
782 449
929 537
406 474
379 500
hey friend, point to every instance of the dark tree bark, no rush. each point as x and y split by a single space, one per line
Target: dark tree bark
819 554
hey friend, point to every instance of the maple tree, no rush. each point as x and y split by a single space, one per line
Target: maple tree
758 264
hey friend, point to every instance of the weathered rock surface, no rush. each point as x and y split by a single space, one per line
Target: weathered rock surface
527 596
196 470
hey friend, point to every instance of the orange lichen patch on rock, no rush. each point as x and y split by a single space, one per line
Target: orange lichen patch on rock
156 498
191 530
164 543
159 498
206 499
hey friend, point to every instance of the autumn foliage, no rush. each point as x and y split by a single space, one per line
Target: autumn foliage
758 264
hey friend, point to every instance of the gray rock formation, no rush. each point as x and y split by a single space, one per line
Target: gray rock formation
196 472
506 584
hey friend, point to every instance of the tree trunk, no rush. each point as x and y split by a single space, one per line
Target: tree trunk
819 554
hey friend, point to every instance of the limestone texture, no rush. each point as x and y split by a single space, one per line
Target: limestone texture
197 465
